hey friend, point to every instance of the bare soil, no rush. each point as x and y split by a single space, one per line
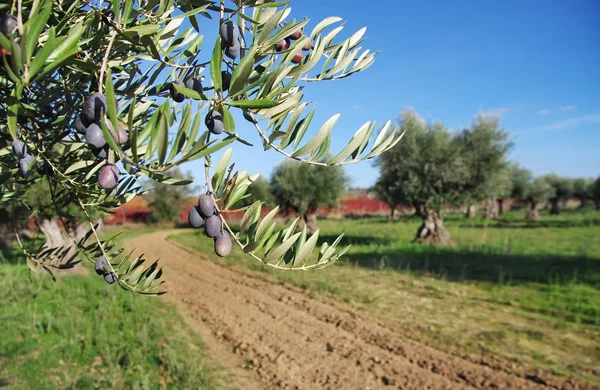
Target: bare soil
287 339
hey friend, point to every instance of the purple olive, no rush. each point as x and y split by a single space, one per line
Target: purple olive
229 33
225 79
212 226
194 217
175 94
206 206
214 122
222 244
19 148
110 277
82 123
233 51
8 24
194 84
101 265
108 177
94 136
95 106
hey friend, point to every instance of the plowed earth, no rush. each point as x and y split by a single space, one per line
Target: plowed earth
290 340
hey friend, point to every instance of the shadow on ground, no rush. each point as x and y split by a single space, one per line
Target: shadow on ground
464 265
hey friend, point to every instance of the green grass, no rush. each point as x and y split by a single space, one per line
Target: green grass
80 332
528 292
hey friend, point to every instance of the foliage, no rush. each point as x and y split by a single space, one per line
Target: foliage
596 192
137 55
427 168
303 188
563 187
521 179
259 190
583 189
539 190
166 200
485 148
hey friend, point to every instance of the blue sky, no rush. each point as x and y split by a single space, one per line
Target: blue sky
535 64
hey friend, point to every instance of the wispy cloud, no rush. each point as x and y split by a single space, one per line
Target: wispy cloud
544 111
565 124
357 107
568 108
494 112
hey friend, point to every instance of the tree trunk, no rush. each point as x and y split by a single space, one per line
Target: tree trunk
471 211
554 206
393 209
418 211
491 211
56 236
500 206
309 219
582 203
532 212
432 229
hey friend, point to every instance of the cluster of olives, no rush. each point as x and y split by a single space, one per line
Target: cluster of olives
88 124
101 266
20 149
205 214
8 25
285 43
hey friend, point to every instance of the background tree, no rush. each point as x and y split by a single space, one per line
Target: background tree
105 93
596 193
259 190
429 170
485 147
521 177
583 190
537 191
562 191
304 188
166 200
503 186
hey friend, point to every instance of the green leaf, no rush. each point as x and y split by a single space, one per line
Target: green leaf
307 249
280 251
215 65
228 121
242 72
354 143
78 165
316 142
258 103
262 227
34 27
162 139
13 109
250 216
146 29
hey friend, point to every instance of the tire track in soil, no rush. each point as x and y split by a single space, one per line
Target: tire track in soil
297 342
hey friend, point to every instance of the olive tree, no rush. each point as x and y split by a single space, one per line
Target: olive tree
596 193
96 95
165 200
562 190
304 188
428 170
485 147
583 189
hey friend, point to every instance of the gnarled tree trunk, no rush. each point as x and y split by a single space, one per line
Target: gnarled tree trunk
471 211
309 218
554 206
491 211
532 212
500 206
432 229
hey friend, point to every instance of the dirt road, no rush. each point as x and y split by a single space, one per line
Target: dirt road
293 341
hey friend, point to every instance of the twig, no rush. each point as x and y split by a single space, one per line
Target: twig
113 35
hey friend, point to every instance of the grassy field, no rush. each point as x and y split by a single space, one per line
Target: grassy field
80 333
527 292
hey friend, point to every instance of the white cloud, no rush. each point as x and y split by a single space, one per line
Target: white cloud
357 107
565 124
544 111
493 112
568 108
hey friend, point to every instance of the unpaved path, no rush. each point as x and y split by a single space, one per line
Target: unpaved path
296 342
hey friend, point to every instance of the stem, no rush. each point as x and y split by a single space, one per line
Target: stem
113 35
